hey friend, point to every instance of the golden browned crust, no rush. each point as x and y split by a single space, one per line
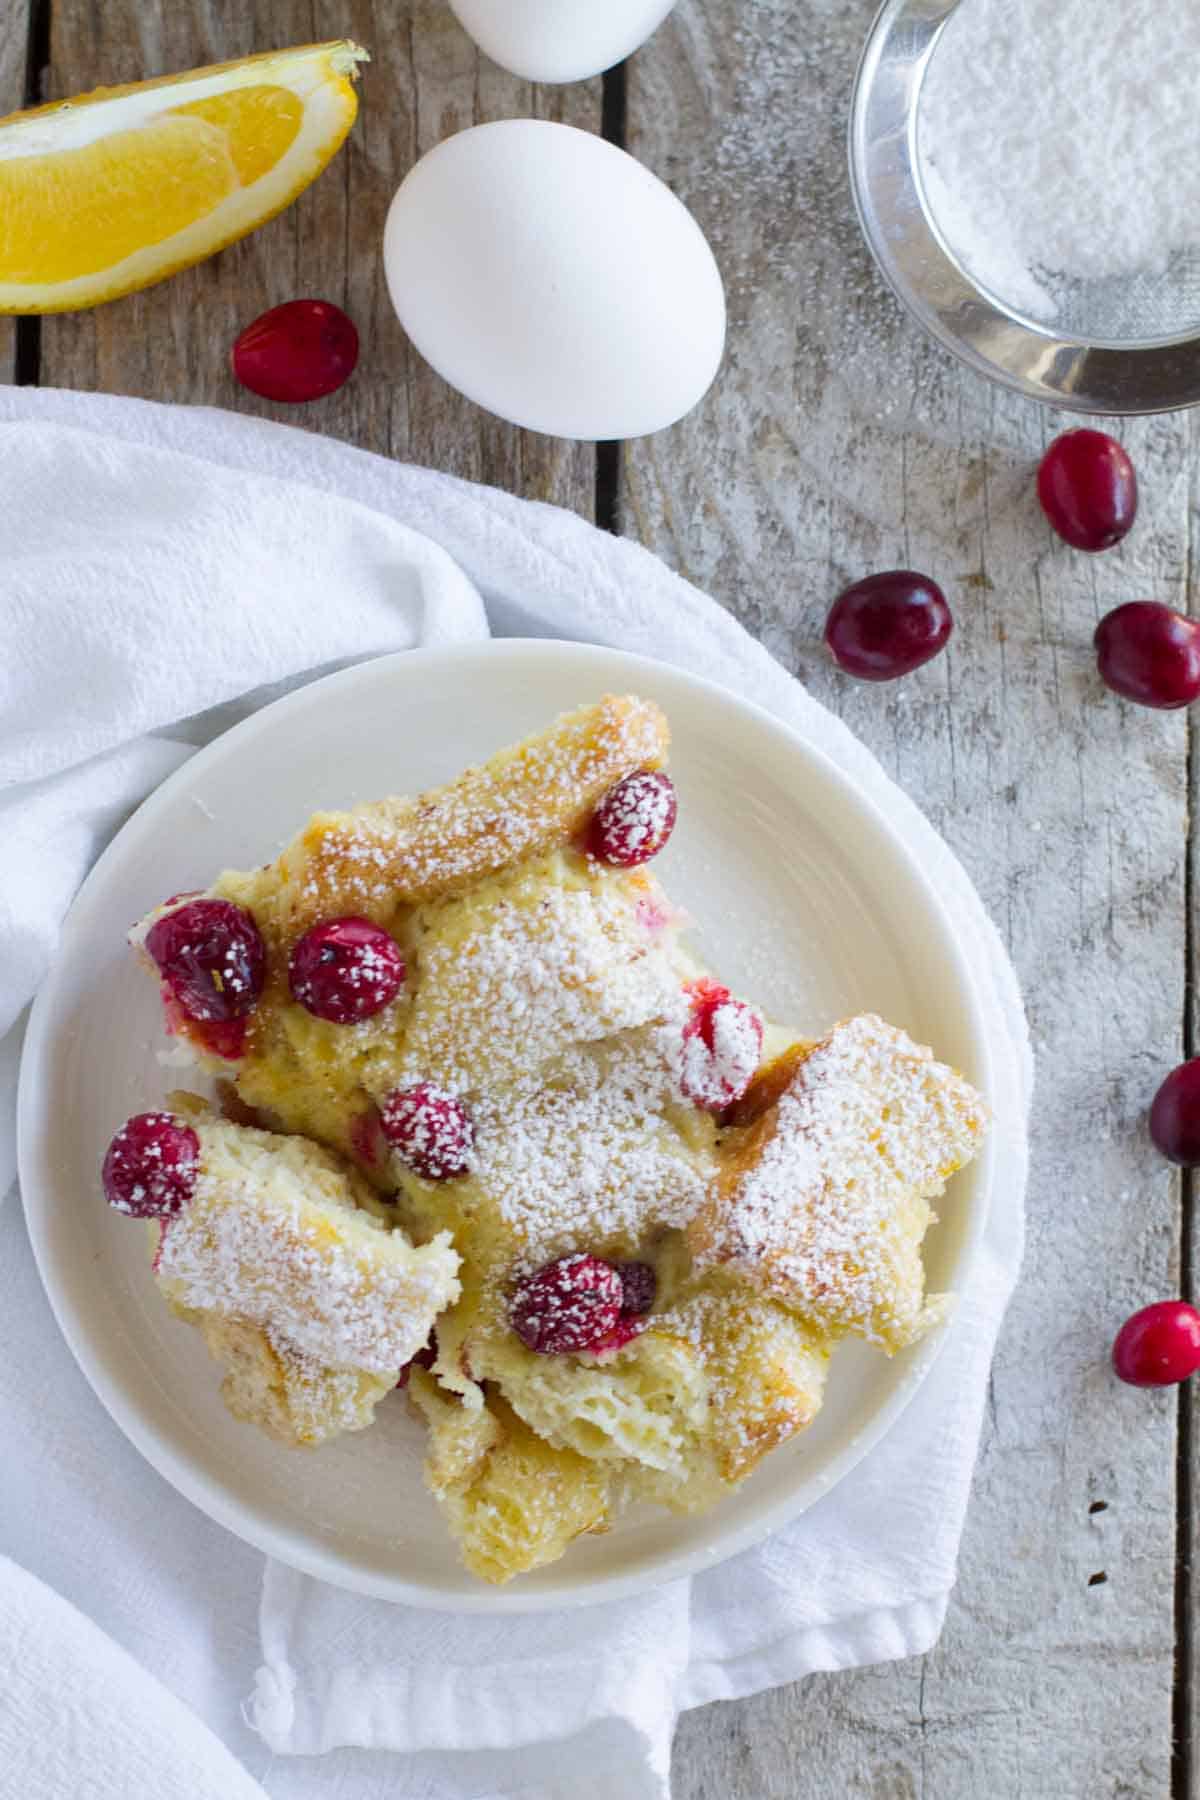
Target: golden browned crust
823 1200
765 1091
524 801
512 1501
294 1399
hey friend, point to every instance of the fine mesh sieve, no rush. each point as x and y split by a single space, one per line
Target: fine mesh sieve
1124 344
1123 311
1134 310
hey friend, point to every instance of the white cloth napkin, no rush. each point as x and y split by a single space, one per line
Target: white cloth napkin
80 1718
159 565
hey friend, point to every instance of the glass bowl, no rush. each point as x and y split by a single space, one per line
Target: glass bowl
1157 373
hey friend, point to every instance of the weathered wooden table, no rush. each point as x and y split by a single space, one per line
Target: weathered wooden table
836 441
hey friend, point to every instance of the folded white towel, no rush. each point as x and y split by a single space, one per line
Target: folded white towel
80 1720
161 563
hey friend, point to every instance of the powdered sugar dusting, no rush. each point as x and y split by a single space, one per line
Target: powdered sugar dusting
720 1050
431 1130
828 1207
544 966
257 1244
346 970
571 1304
1058 149
595 1156
322 1401
291 1395
634 819
524 801
150 1166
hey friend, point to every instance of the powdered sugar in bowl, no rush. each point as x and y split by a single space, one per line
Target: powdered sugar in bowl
1102 317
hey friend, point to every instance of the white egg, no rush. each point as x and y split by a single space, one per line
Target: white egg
555 281
560 40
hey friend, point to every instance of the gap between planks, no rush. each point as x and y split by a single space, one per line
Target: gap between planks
1185 1700
23 49
613 115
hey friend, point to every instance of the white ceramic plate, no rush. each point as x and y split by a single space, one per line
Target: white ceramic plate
802 896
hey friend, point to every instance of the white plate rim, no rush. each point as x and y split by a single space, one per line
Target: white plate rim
293 1547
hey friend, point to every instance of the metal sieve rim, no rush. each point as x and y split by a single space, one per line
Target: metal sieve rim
991 338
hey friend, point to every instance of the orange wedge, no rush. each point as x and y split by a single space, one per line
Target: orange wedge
117 189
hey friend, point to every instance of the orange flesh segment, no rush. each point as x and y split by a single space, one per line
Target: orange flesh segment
259 124
90 208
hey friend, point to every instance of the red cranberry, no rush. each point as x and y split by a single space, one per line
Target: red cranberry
1150 654
888 625
571 1304
222 1037
430 1130
156 1259
212 958
345 970
639 1285
634 820
366 1138
1175 1115
1088 489
1159 1345
298 351
623 1332
722 1047
150 1166
225 1038
424 1359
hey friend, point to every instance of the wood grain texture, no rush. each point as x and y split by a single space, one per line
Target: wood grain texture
1188 1588
14 65
426 80
838 441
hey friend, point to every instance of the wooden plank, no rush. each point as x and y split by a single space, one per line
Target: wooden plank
172 342
836 442
14 58
1188 1590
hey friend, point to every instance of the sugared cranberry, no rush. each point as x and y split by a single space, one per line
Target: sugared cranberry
1175 1115
888 625
639 1285
1088 489
430 1130
1159 1345
297 351
572 1304
345 970
424 1359
1150 654
211 957
634 820
722 1047
150 1166
623 1332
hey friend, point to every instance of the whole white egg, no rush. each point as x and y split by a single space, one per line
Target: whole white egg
553 280
560 40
